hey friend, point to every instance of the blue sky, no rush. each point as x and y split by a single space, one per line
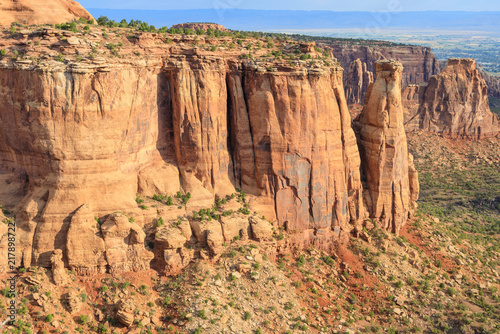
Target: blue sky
336 5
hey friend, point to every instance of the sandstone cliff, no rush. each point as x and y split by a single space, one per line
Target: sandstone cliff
493 83
79 139
40 12
357 82
419 65
384 152
454 103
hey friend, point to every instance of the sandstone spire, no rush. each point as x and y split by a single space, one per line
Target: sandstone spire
383 148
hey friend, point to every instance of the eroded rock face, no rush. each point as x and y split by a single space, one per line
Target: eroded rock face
205 124
202 26
261 229
233 227
357 81
124 240
85 244
300 150
493 83
40 12
58 272
454 103
125 313
383 148
73 302
419 65
412 98
170 253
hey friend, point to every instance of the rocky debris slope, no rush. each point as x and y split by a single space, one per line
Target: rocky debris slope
427 278
454 103
384 151
41 12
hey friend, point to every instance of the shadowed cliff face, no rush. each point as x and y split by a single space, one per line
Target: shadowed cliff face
98 135
297 148
454 103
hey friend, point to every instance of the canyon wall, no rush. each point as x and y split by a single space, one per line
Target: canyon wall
78 141
493 83
419 65
454 103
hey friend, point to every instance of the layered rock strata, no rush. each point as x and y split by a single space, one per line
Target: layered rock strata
199 26
454 103
386 163
79 140
419 65
357 82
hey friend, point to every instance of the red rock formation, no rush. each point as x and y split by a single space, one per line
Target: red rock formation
41 12
419 64
493 83
80 139
85 245
357 81
124 241
412 97
384 151
454 104
300 151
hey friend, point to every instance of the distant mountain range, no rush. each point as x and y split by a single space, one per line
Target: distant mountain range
272 20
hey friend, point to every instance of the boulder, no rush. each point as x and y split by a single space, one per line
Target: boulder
59 275
235 226
262 230
124 240
125 313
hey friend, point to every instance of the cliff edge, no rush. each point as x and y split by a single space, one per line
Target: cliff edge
31 12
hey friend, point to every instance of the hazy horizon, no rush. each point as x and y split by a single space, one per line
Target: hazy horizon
272 20
360 5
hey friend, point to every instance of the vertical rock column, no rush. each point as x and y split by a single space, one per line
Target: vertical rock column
383 148
199 104
358 79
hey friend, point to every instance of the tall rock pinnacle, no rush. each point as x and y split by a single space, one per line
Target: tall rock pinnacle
383 148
